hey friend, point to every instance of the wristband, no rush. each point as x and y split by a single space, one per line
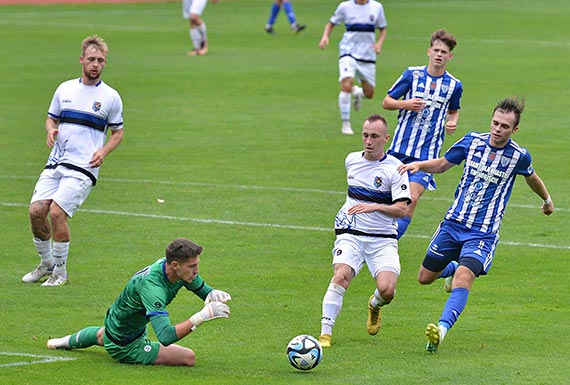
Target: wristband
548 201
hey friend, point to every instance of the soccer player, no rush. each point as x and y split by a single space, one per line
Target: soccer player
358 50
192 10
429 108
81 113
143 301
463 245
288 7
365 227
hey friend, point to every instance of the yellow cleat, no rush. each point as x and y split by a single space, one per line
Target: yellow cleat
325 340
433 335
374 321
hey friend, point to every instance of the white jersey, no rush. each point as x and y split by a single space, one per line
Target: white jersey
361 21
372 182
85 113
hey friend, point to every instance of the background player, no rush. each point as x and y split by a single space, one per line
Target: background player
358 50
429 108
192 10
79 116
288 7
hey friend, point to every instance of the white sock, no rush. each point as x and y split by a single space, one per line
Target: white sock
44 250
442 332
378 301
344 105
196 38
357 92
60 251
203 32
332 304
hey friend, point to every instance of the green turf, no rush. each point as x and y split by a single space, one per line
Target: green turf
244 147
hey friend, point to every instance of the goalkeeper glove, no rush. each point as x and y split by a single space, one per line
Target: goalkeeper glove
219 296
211 311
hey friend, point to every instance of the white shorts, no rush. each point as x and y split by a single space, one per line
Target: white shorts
194 7
379 254
348 67
66 187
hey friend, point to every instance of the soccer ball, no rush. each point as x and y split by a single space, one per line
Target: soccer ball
304 352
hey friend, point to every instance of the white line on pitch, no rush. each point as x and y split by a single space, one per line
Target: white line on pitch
40 359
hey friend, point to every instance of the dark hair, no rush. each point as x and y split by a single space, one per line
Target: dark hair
181 250
448 39
511 105
376 117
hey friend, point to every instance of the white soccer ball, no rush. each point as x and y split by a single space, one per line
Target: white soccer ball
304 352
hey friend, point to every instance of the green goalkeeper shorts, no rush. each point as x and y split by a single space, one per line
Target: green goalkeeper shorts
140 351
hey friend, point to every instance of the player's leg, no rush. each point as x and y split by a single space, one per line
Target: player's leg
87 337
332 301
175 355
197 24
347 71
275 8
41 230
288 7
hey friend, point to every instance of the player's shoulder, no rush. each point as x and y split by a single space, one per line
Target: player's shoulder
354 156
416 70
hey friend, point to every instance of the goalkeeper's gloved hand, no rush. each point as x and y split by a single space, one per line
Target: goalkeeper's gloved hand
219 296
211 311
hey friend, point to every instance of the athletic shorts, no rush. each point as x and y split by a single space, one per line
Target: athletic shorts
379 254
425 179
454 242
348 67
68 188
194 7
140 351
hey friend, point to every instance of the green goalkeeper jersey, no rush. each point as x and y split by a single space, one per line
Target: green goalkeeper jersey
146 296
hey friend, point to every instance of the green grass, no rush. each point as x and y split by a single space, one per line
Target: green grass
244 147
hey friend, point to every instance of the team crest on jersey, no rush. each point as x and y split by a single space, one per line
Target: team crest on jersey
96 106
158 305
433 85
505 161
492 156
444 88
371 18
377 181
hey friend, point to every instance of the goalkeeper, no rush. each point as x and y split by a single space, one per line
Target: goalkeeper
144 300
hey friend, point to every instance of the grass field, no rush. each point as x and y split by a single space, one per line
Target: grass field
244 147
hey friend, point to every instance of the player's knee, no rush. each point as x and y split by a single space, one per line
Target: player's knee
189 358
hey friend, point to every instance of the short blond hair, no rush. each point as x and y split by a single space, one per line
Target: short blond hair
95 42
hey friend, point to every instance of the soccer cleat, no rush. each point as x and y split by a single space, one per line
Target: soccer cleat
194 52
296 28
55 280
269 29
433 335
346 128
325 340
374 321
59 343
39 272
447 284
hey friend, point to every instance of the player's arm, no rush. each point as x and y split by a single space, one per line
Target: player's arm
395 210
413 104
380 40
113 142
434 166
537 185
451 121
326 34
51 130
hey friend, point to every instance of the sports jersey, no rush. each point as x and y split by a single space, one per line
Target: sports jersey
369 181
85 113
360 21
420 134
146 295
488 178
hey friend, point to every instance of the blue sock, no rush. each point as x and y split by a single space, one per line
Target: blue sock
403 224
273 15
454 306
288 7
449 270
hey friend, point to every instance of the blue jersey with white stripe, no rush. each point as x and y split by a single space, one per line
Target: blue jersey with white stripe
361 21
420 134
488 177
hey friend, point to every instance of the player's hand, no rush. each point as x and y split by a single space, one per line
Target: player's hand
51 135
450 127
362 208
415 104
211 311
324 42
219 296
412 168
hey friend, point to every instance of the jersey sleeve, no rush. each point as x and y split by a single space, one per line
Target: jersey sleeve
54 110
458 152
524 166
402 85
381 19
401 188
153 299
199 287
164 330
338 15
115 119
454 102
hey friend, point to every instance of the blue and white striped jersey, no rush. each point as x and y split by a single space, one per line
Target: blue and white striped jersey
420 135
361 21
372 182
488 177
85 113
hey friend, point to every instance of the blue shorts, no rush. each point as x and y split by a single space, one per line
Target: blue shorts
423 178
454 242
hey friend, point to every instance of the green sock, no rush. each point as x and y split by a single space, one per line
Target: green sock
84 338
